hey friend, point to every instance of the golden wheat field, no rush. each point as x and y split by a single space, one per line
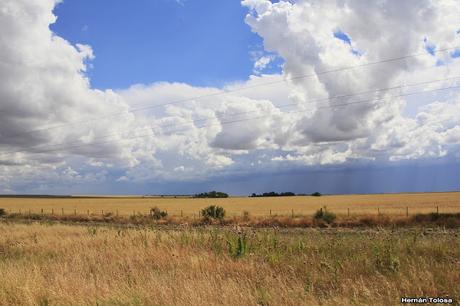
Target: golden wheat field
391 204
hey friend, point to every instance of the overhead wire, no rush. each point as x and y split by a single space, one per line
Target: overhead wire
241 120
226 92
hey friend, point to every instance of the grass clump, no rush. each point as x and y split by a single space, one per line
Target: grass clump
157 213
2 212
237 246
324 215
213 212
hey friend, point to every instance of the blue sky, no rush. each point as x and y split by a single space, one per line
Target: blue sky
239 137
199 42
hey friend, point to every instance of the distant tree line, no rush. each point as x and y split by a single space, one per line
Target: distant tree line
273 194
211 194
282 194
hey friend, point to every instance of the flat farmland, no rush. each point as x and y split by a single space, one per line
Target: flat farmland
390 204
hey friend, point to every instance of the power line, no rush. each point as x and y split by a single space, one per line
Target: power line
229 91
242 120
243 113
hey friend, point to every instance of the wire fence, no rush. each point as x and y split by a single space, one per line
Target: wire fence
342 211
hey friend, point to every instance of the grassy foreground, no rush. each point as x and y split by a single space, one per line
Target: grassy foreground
59 264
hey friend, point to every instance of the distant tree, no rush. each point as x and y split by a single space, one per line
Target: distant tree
273 194
316 194
212 194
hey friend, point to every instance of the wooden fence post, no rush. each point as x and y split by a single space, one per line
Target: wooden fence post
437 210
292 213
348 212
42 211
75 212
407 211
87 212
52 211
270 212
62 210
181 213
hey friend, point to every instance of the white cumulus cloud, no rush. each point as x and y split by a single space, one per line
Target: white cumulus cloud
55 128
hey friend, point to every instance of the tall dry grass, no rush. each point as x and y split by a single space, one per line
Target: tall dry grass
82 265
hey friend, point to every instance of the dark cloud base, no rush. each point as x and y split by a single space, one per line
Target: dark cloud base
389 179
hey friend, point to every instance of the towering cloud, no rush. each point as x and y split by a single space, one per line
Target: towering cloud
56 129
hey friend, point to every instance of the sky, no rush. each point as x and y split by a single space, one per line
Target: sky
166 40
181 97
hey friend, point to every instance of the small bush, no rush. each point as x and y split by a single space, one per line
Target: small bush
238 247
324 215
450 220
213 212
2 212
157 213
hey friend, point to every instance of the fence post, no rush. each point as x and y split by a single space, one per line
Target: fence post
75 212
42 211
348 212
437 210
378 211
270 212
292 213
407 211
87 212
62 210
52 211
102 212
181 213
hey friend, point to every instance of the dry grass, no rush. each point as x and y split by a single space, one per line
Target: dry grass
78 265
389 204
445 220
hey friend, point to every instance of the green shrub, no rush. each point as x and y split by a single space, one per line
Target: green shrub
316 194
324 215
157 213
237 246
213 212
